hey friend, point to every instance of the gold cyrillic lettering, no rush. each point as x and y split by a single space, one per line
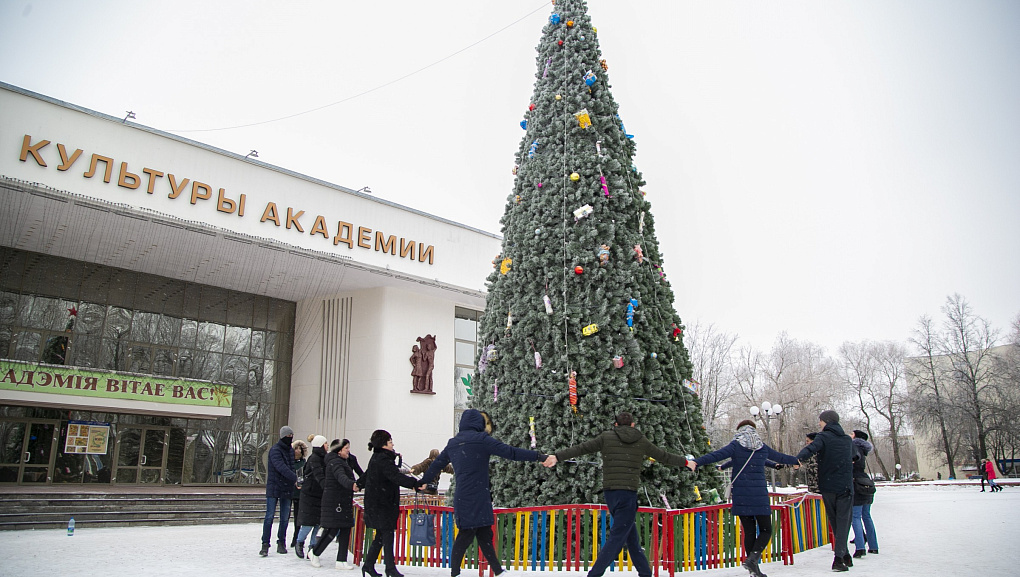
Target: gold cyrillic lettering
66 162
27 148
122 178
240 206
422 254
293 218
341 228
153 175
224 204
385 244
407 249
195 187
96 158
177 190
364 237
320 227
271 214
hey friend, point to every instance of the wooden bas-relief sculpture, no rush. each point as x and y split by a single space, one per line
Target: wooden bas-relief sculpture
422 361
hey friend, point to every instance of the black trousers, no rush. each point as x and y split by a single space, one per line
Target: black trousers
294 507
839 508
464 539
343 539
757 531
383 542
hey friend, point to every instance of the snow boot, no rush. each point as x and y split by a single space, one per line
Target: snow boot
264 552
848 560
860 553
838 565
281 548
299 550
751 563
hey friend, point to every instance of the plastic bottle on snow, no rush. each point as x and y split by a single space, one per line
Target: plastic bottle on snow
70 527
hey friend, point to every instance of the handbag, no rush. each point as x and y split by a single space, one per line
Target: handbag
864 486
423 526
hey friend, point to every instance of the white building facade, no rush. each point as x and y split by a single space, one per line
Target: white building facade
166 306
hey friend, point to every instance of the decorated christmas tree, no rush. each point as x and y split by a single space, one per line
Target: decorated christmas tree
579 322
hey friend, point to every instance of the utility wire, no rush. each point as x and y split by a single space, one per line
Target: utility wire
370 90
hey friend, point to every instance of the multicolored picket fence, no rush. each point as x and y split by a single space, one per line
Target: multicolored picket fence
568 537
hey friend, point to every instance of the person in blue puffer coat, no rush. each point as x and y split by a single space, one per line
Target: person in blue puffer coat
469 453
749 488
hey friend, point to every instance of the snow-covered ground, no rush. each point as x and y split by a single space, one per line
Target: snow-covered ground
923 530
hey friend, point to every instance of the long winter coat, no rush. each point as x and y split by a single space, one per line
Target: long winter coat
338 493
383 481
623 450
861 450
469 453
281 478
990 469
748 453
311 491
835 459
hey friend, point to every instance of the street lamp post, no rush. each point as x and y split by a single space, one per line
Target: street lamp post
766 413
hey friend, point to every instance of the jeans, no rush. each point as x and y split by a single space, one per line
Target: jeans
757 532
303 534
622 505
267 524
464 539
863 526
839 510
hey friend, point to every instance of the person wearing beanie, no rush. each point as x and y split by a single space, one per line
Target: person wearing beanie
383 481
337 512
623 450
834 452
280 480
749 456
469 453
301 452
311 495
865 539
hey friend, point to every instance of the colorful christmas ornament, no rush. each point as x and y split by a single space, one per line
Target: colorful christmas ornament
538 360
495 390
518 198
578 270
504 267
631 306
583 119
641 223
532 105
572 384
545 72
618 362
539 185
603 254
590 78
560 42
558 97
531 429
654 355
514 171
639 254
605 187
677 332
583 212
488 355
574 176
598 148
548 304
604 64
538 231
533 148
524 124
509 321
570 23
554 18
590 330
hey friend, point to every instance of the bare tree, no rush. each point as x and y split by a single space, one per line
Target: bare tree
930 405
710 353
889 398
858 367
967 343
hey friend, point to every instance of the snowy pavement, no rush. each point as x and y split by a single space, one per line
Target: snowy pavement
924 530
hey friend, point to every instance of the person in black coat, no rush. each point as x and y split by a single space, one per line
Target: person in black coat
749 457
383 481
864 497
835 482
311 495
469 452
337 512
280 480
301 452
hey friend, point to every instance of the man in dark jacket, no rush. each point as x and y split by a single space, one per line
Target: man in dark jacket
623 450
279 488
835 481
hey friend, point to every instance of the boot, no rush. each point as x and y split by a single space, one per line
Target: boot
392 572
860 553
838 565
848 560
872 551
264 552
751 563
299 550
281 548
369 570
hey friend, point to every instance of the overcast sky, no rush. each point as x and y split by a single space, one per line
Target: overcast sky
832 169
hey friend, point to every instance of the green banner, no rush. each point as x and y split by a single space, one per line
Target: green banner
83 382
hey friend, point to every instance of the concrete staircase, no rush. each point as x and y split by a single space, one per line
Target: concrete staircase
40 510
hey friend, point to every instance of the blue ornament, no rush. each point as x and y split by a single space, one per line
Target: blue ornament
555 19
524 124
533 148
630 312
590 78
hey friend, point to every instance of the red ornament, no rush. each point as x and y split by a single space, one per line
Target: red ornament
560 43
578 269
531 106
572 384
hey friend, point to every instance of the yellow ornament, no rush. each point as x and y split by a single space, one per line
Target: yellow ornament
604 64
583 119
595 30
558 97
574 176
570 23
504 267
697 493
590 330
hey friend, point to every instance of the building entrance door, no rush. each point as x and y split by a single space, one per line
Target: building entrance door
27 450
141 455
